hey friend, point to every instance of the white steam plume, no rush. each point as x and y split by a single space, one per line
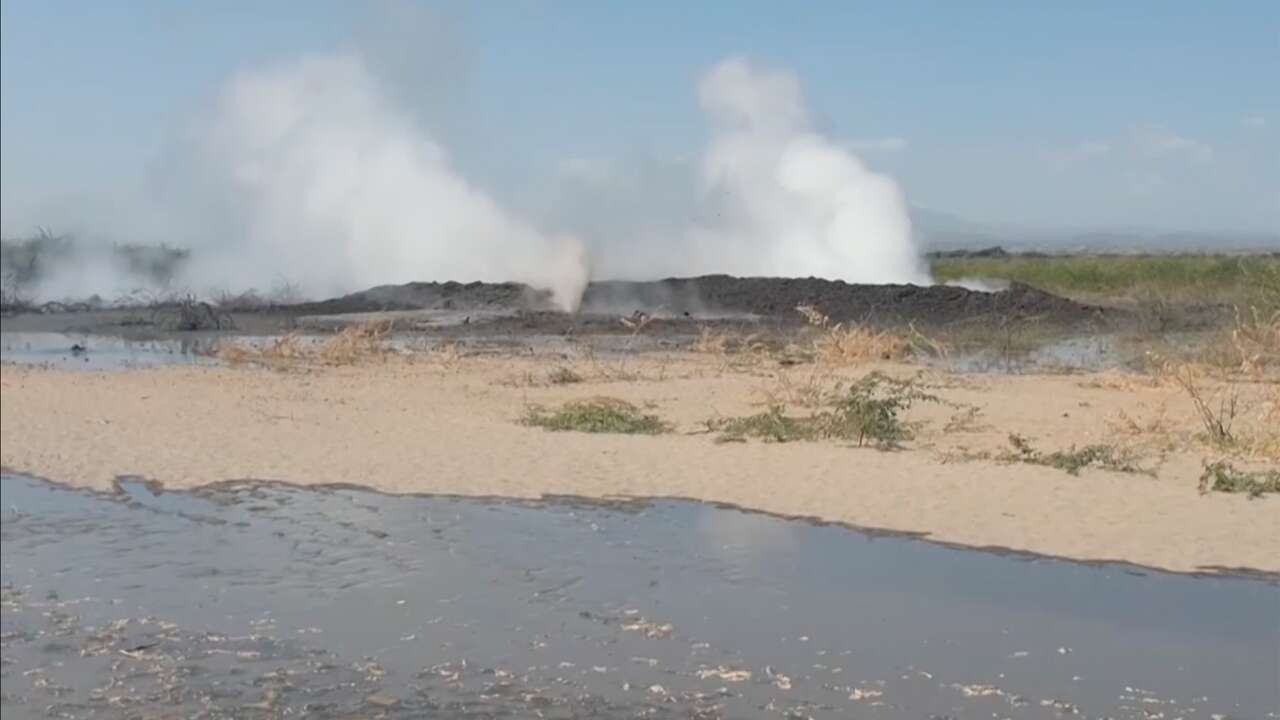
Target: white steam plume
790 202
771 196
306 172
326 183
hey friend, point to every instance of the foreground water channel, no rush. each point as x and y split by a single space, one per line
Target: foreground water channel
260 600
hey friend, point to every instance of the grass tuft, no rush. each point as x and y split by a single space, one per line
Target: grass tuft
1222 476
597 415
839 344
353 345
1073 460
563 376
1217 413
867 413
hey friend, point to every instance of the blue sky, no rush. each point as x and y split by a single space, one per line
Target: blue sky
1087 114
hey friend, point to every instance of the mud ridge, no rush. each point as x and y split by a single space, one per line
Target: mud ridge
724 294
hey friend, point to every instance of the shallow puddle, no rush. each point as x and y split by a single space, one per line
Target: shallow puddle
258 600
74 351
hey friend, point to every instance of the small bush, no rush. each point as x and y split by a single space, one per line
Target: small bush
563 376
353 345
867 413
187 313
1217 414
598 415
840 345
772 425
1073 460
1222 476
357 342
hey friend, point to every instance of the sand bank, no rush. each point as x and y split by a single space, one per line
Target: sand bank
453 427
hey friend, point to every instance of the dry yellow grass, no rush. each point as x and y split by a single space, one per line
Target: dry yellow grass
1255 337
1113 379
841 345
354 344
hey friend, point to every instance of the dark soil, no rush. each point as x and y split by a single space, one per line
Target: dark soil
720 295
675 306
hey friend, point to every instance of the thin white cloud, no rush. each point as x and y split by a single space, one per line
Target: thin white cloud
1159 141
884 144
1062 158
1254 121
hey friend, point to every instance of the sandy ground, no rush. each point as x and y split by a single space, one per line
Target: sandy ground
439 424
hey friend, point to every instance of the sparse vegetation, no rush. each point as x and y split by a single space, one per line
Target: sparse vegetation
1201 277
187 313
868 412
354 344
597 415
1222 476
1216 412
1074 459
1255 339
839 344
563 376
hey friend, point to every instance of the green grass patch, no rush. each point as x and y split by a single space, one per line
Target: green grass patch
1074 459
867 412
1222 476
1200 276
597 415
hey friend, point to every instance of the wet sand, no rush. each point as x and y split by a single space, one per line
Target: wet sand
436 424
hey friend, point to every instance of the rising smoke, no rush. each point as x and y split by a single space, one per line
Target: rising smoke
336 186
789 201
309 171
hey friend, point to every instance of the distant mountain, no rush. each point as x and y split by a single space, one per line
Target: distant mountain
938 231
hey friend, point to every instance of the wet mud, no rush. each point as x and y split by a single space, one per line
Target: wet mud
724 294
249 600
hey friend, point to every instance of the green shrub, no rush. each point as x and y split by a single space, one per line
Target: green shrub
597 415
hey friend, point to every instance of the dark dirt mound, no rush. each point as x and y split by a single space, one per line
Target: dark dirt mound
433 296
931 304
723 294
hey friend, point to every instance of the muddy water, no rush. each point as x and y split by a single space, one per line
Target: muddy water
82 351
254 600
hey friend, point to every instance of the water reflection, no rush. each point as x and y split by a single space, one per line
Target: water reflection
257 600
73 351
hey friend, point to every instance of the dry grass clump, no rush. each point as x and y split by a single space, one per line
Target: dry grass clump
353 345
1113 379
356 343
1222 476
1255 338
597 415
1230 418
187 313
743 353
1216 410
563 375
711 341
284 349
841 345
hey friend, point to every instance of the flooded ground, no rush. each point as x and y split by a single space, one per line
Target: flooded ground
84 351
255 600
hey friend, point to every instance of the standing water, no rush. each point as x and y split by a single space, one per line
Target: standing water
259 600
